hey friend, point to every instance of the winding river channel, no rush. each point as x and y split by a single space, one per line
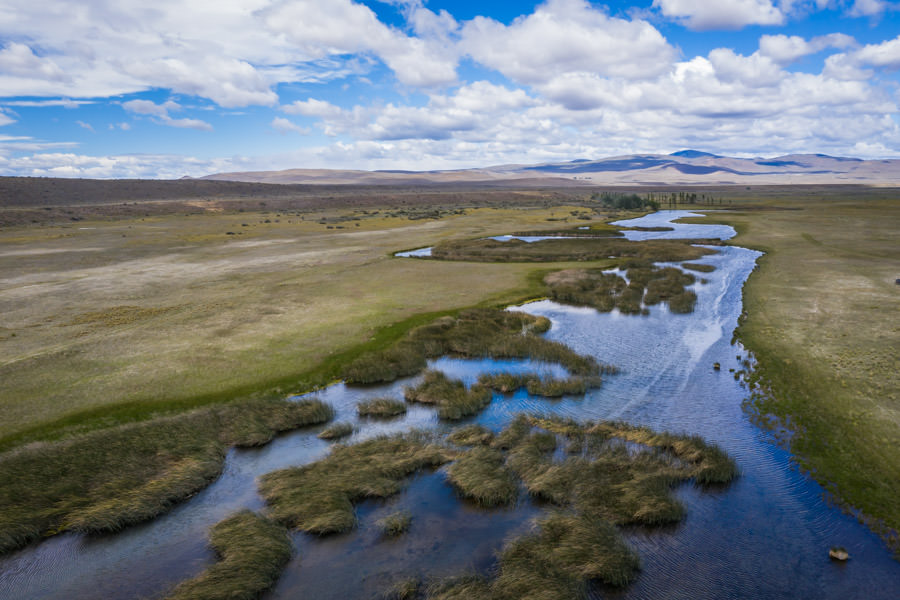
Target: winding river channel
766 535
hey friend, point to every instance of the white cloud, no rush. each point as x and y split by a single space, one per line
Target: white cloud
161 114
5 119
283 125
312 108
564 36
344 27
867 8
702 15
885 55
785 49
84 125
64 102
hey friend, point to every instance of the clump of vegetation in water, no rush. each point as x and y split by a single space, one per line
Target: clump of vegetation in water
549 387
471 435
647 285
381 407
396 523
476 333
319 497
698 267
615 474
450 396
480 475
560 250
252 551
137 471
336 431
404 589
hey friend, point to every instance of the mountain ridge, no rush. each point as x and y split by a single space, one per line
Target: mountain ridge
685 167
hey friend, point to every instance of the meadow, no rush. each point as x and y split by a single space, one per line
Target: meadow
820 317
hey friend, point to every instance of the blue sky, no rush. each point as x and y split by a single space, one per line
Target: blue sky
127 88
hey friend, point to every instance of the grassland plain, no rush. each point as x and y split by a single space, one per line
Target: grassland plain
114 321
126 321
821 320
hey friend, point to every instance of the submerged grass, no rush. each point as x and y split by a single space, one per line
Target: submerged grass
473 333
107 480
450 396
381 407
318 498
252 552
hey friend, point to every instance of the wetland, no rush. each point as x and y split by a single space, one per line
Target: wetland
479 491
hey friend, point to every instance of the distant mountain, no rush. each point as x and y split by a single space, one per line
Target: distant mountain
686 167
694 154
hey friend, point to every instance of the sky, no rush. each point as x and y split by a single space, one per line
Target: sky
173 88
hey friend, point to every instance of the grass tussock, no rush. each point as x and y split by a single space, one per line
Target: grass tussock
560 250
549 387
252 552
463 587
480 475
336 431
698 267
255 424
404 589
395 524
381 407
471 435
450 396
647 285
106 480
475 333
318 498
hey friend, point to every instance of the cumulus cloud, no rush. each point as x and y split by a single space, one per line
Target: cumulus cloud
567 36
785 49
345 27
702 15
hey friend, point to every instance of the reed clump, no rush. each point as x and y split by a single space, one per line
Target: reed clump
698 267
647 285
319 497
336 431
471 435
256 423
475 333
381 407
549 387
450 396
480 475
251 550
404 589
137 471
395 524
